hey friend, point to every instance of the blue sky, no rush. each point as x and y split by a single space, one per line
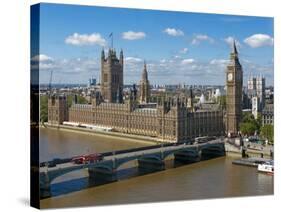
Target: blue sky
179 47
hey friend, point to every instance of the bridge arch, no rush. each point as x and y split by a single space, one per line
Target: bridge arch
106 167
124 162
154 156
121 162
50 176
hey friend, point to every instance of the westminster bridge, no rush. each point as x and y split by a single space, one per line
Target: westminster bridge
149 159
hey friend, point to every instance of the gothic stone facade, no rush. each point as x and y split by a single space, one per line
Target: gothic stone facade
268 114
57 109
234 79
169 120
112 76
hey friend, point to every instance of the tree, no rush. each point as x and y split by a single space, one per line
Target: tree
44 108
80 100
247 128
267 131
251 121
259 121
248 117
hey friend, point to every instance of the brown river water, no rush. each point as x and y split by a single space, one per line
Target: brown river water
215 178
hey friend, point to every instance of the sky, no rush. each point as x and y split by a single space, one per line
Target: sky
178 47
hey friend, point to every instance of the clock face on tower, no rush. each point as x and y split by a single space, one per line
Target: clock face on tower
230 77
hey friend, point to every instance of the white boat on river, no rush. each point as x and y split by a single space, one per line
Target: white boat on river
267 167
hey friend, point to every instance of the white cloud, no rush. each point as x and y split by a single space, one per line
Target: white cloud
219 62
133 59
258 40
187 61
245 60
41 58
174 71
199 38
229 40
43 62
69 66
173 32
46 66
184 50
131 35
162 71
194 67
71 70
85 39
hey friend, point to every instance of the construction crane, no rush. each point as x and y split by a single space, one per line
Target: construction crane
50 82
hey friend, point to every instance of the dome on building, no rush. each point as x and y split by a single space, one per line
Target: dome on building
218 93
202 99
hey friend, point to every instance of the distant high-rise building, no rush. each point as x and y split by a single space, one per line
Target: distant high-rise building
234 83
92 82
111 76
144 86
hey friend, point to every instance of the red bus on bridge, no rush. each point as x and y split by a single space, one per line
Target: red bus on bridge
92 158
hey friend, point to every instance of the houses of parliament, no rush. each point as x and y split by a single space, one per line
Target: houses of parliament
169 119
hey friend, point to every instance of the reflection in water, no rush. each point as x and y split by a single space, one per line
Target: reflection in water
80 179
214 178
70 184
59 144
264 180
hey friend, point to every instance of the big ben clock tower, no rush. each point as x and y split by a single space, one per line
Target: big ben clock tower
234 84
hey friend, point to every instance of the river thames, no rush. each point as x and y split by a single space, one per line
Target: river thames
216 178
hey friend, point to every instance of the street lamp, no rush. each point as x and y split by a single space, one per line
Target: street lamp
113 159
161 150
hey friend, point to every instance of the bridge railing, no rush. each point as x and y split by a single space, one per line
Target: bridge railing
58 161
111 153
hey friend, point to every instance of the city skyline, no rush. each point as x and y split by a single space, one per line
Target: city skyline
178 47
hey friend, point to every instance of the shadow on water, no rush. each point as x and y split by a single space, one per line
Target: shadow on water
73 185
69 186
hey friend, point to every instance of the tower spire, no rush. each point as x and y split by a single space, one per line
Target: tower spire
111 36
121 57
234 47
234 54
144 86
102 53
144 73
